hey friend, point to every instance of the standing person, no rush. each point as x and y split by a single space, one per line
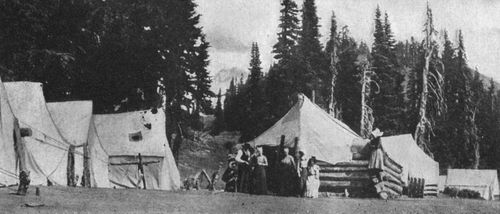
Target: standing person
244 169
259 172
287 174
302 173
312 184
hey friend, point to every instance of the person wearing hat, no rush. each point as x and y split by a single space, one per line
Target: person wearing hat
244 169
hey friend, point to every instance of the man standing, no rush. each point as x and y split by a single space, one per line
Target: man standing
302 173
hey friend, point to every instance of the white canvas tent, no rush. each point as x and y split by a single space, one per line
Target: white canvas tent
115 140
319 134
416 164
8 160
45 151
481 180
73 121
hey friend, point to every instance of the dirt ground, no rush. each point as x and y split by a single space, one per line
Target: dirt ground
82 200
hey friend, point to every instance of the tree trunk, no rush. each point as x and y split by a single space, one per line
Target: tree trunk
333 71
366 112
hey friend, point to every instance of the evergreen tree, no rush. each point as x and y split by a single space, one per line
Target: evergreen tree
253 103
312 58
289 28
387 111
219 116
201 80
348 87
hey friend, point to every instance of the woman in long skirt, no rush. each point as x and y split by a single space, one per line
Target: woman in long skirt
259 173
244 169
312 184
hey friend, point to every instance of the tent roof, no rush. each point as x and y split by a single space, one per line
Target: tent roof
319 134
116 133
73 119
471 177
404 150
28 104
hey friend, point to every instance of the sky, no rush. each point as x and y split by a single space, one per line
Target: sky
232 25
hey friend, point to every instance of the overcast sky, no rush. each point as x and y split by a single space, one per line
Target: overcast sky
232 25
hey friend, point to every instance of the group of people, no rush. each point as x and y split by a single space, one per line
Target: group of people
246 173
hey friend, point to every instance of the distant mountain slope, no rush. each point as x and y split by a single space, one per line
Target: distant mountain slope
223 77
486 81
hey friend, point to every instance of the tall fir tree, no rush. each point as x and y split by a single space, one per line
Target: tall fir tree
281 75
314 69
254 106
219 123
289 29
387 111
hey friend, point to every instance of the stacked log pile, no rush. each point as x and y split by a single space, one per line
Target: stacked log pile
391 177
352 176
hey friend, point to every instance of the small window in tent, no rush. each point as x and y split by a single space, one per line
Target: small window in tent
135 137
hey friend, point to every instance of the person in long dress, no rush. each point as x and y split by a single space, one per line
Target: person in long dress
287 174
259 172
312 184
244 169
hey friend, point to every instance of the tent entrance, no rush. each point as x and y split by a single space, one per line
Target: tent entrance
124 171
274 156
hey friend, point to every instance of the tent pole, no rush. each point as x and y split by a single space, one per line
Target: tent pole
141 169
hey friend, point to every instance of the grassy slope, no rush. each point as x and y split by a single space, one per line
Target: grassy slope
204 152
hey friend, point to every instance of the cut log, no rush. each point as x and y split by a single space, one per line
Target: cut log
392 192
393 174
389 177
324 178
394 187
345 183
388 163
345 174
343 169
354 163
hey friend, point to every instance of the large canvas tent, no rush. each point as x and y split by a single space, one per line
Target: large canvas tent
415 163
73 121
45 150
115 140
483 181
319 134
8 158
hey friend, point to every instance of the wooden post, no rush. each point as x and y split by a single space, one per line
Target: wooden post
70 168
297 158
86 164
19 146
141 169
313 96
